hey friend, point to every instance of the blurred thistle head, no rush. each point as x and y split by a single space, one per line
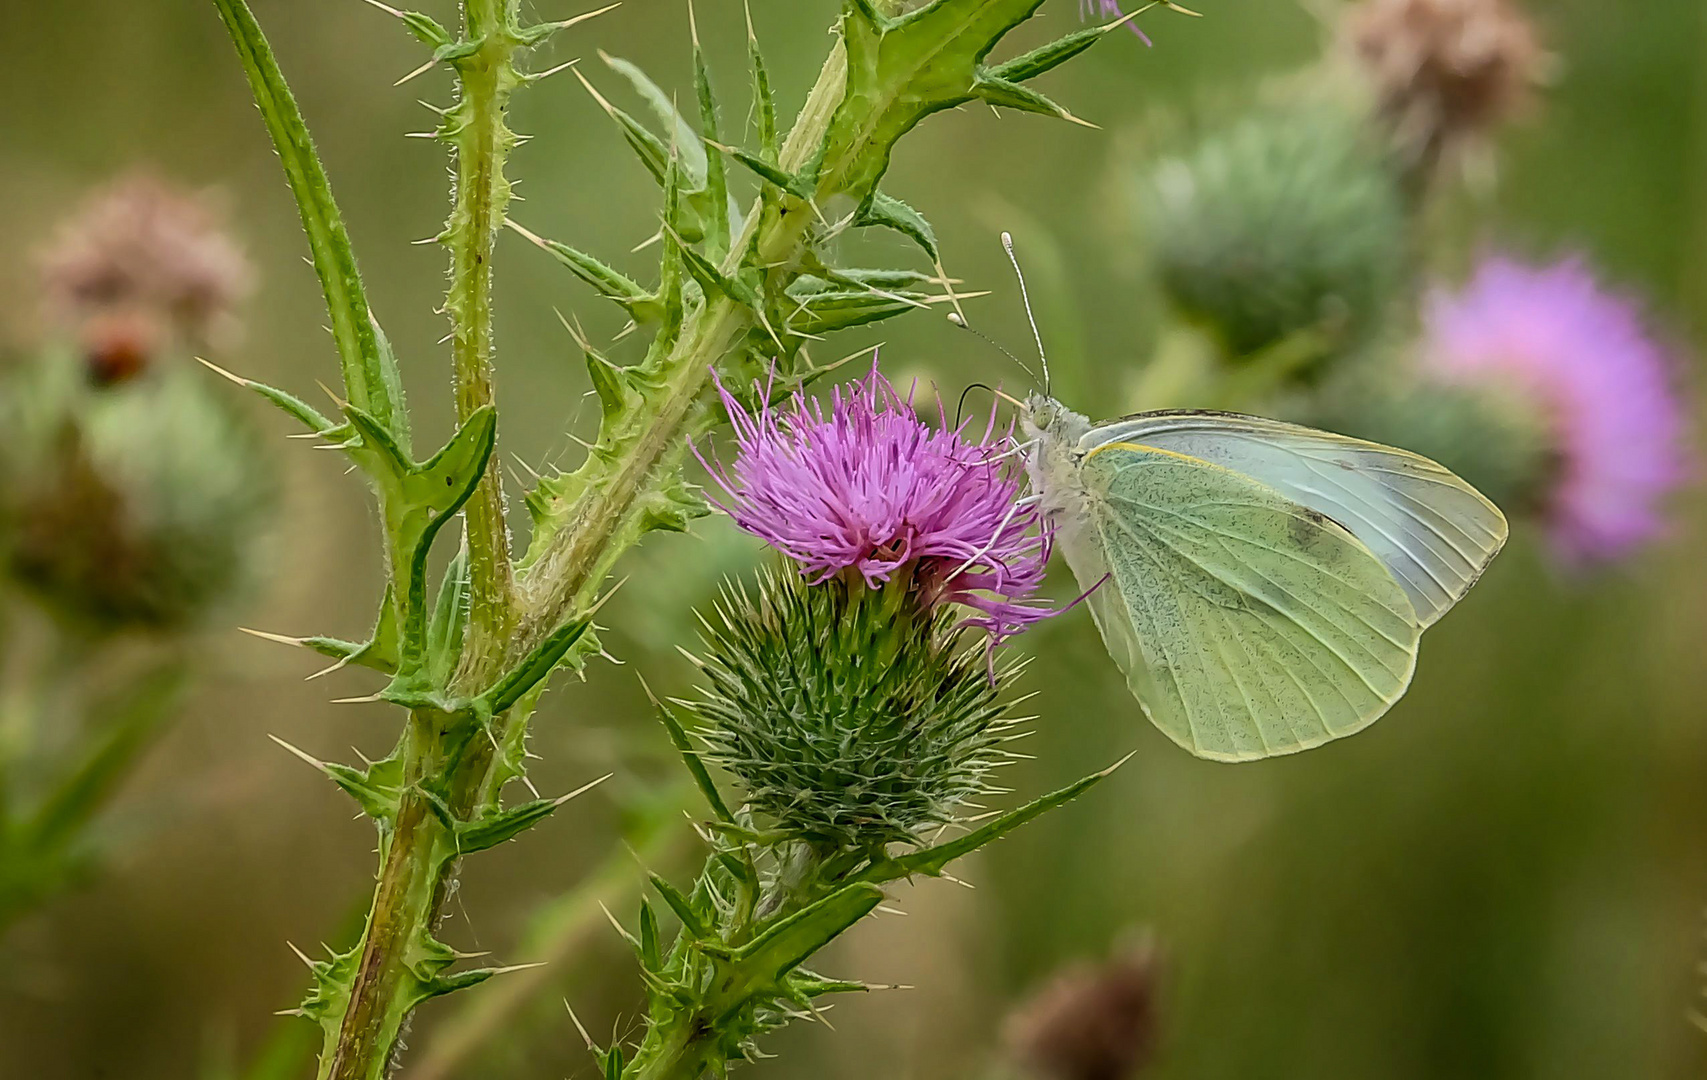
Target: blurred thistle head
1092 1021
1443 72
132 506
1550 342
141 270
1286 221
866 487
130 496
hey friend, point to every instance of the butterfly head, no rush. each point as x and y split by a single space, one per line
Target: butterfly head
1053 432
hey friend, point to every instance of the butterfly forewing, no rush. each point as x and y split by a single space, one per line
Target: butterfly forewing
1434 532
1248 625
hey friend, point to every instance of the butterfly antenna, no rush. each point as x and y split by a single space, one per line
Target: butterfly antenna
960 408
955 318
1024 295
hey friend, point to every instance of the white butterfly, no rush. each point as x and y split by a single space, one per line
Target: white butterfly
1263 586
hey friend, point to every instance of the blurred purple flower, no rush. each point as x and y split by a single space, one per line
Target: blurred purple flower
1109 9
1582 357
864 485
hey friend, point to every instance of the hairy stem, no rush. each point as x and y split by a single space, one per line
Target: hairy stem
477 130
449 753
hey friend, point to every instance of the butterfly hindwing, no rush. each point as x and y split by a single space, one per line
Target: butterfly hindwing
1247 624
1434 532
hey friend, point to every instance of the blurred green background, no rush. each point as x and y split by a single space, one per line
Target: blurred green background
1504 879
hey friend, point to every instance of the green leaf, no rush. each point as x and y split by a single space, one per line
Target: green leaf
379 652
532 670
764 962
772 175
616 395
764 101
932 860
839 310
720 211
685 139
902 70
1011 95
365 379
1034 63
651 952
690 758
894 214
682 906
427 29
428 496
611 284
494 829
450 610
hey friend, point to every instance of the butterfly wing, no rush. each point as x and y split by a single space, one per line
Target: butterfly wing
1247 625
1435 533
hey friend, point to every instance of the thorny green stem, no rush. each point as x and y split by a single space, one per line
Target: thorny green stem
681 1048
483 143
419 860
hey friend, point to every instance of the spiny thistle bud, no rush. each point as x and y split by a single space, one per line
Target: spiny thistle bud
141 271
1443 72
1286 221
132 505
852 717
1092 1022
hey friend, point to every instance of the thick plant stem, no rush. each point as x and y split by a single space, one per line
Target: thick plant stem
477 130
448 752
359 1047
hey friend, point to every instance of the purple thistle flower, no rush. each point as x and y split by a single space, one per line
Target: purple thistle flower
864 485
1583 359
1109 9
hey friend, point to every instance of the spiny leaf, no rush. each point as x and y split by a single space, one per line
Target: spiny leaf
352 325
932 860
772 175
764 100
683 137
682 906
533 669
690 758
611 284
720 210
784 946
450 608
651 953
894 214
306 414
1034 63
494 829
1011 95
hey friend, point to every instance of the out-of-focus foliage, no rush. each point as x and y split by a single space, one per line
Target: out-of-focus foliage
1502 880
